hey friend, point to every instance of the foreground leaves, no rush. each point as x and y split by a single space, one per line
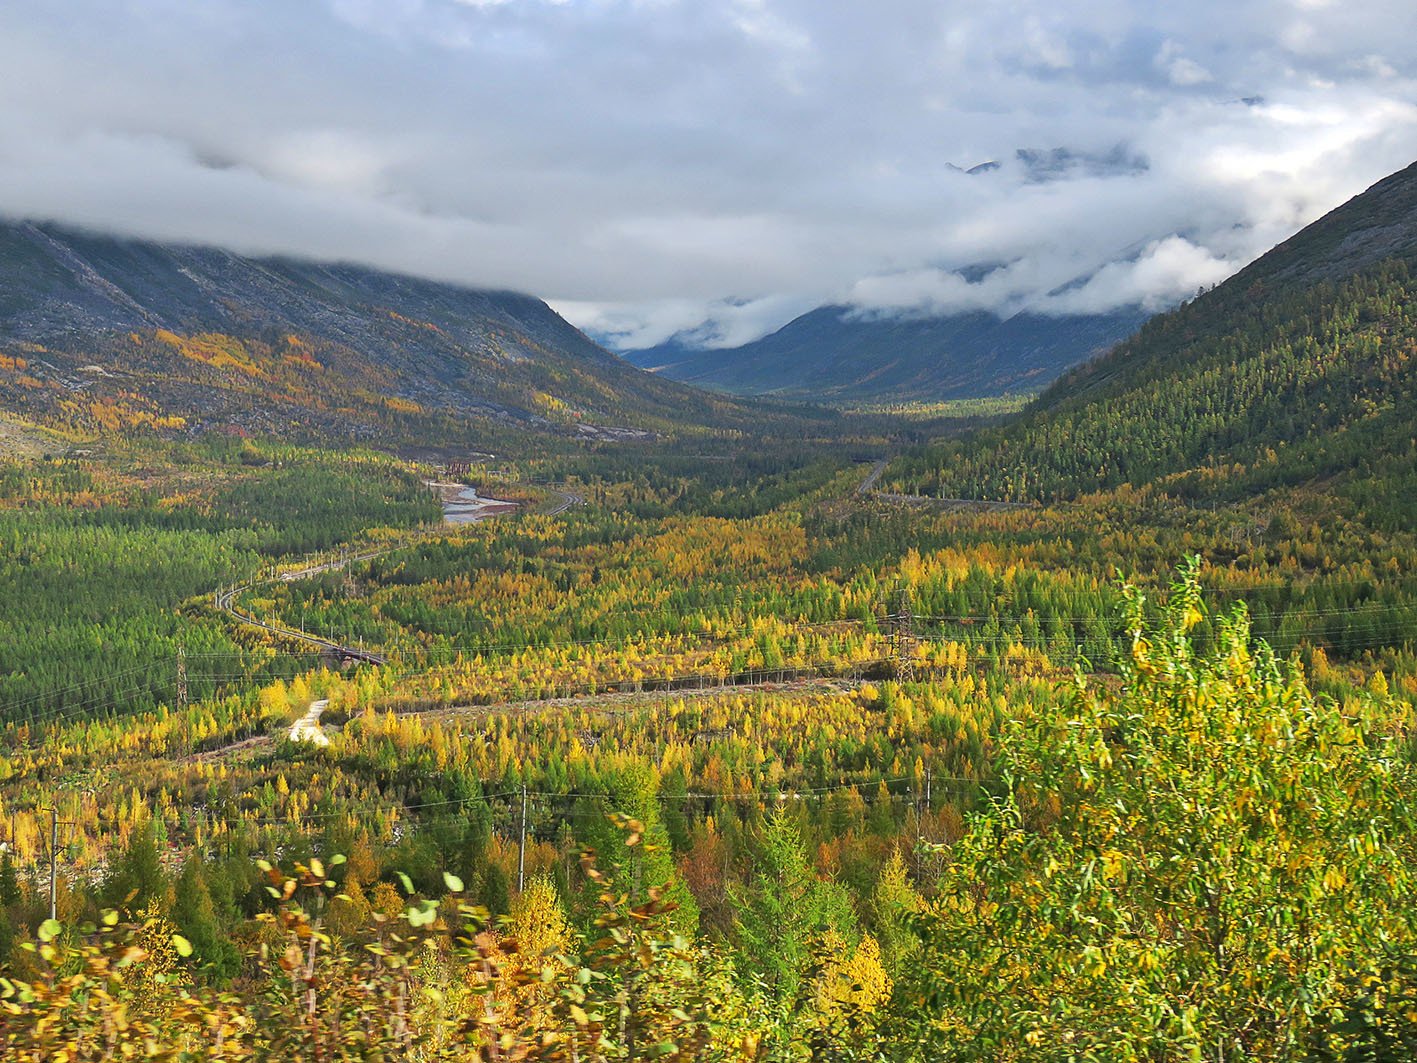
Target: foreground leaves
1198 866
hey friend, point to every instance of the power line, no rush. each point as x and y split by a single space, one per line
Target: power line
1044 616
95 687
765 797
1002 644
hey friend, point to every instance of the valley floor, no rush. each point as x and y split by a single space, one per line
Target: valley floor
797 723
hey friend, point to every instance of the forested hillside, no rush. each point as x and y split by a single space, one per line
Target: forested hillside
391 672
102 561
1297 371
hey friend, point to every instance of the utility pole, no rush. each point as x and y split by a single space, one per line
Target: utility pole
181 678
54 862
521 848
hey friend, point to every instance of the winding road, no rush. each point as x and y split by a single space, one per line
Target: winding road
565 502
868 490
307 728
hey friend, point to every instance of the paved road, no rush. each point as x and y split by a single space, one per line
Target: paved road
331 566
868 486
603 700
949 503
225 600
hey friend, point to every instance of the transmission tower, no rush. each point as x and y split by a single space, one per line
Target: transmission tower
904 631
181 678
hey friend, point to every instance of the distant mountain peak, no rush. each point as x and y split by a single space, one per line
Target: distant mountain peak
845 354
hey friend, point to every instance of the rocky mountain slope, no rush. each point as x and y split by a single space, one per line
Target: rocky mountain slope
98 330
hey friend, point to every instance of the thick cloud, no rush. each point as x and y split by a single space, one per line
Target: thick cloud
713 167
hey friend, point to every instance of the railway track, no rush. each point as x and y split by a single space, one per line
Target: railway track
226 601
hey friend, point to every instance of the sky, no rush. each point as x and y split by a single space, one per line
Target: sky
709 169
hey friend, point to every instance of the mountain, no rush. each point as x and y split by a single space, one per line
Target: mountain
110 332
836 355
1300 372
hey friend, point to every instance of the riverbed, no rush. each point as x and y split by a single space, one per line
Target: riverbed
463 505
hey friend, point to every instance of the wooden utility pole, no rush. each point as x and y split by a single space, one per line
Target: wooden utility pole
54 862
521 848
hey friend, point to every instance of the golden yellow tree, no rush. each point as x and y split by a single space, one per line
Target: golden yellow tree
533 939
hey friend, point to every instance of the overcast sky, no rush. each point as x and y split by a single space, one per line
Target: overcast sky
716 166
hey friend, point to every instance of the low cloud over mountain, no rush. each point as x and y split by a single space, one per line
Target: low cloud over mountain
754 159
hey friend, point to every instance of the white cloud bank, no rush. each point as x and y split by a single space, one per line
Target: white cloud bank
713 167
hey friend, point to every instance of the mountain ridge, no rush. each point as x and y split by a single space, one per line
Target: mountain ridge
836 354
1299 371
1360 233
205 336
